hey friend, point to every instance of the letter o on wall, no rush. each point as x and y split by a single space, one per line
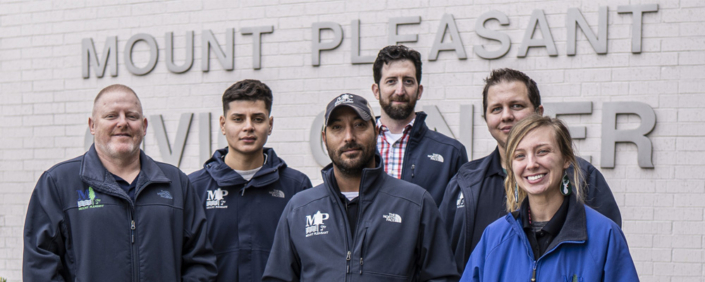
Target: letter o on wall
153 53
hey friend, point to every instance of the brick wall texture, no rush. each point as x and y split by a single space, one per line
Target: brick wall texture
45 102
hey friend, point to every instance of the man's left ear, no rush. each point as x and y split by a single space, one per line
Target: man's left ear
539 110
145 126
271 125
418 97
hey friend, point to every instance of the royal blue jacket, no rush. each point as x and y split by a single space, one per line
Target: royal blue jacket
460 222
242 215
81 226
589 247
431 158
399 235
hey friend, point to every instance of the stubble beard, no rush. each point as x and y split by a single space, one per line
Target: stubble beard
354 167
398 112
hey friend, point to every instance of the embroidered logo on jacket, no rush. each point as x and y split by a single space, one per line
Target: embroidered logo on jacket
392 217
215 199
87 199
165 194
436 157
314 224
460 203
277 193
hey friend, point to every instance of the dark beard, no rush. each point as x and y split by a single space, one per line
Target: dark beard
353 167
399 112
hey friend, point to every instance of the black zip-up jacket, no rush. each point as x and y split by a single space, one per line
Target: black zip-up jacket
81 226
431 159
242 215
399 235
459 213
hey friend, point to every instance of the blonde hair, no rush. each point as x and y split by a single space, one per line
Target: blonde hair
565 146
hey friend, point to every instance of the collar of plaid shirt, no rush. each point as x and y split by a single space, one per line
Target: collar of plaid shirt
393 154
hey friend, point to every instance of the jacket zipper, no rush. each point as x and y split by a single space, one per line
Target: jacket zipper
133 247
533 275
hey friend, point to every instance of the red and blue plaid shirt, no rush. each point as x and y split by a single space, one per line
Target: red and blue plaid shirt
392 154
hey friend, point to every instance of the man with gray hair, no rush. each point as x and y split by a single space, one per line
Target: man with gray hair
114 214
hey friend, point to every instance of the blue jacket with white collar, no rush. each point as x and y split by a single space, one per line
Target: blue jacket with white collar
399 235
431 159
81 226
242 215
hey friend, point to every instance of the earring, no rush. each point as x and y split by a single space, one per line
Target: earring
566 188
516 192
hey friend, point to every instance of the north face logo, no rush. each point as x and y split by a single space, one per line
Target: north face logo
460 203
277 193
436 157
392 217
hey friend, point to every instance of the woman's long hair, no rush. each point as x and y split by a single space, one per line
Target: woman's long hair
565 146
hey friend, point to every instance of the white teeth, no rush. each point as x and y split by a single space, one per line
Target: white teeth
535 177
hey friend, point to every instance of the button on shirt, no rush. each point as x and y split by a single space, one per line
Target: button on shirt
392 151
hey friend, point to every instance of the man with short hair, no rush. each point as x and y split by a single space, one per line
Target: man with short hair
244 186
114 214
360 224
409 150
475 197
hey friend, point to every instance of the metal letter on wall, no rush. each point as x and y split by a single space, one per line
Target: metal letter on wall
225 57
483 32
204 137
172 155
569 108
396 38
538 18
256 32
467 120
454 44
188 59
317 46
637 11
153 53
89 57
355 57
610 134
575 19
315 141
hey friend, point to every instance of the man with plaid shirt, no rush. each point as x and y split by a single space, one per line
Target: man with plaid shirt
409 150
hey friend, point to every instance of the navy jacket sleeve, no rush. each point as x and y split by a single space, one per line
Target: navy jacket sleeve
435 261
283 263
599 195
43 235
454 222
198 259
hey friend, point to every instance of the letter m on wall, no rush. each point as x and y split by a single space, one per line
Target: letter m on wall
89 57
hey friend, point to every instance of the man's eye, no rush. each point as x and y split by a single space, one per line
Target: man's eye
517 106
496 110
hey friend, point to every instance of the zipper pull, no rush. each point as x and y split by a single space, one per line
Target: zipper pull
412 171
347 267
132 228
348 257
360 265
533 275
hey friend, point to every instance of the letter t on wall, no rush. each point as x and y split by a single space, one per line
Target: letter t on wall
636 11
610 134
257 42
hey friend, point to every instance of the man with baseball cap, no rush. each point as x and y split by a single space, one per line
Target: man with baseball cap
360 224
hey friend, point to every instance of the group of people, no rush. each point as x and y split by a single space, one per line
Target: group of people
399 201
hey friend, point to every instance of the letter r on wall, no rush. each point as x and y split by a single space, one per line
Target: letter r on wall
610 134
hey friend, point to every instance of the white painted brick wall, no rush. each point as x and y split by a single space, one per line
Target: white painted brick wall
45 103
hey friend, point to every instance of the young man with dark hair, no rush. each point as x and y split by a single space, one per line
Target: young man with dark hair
475 197
114 214
409 150
244 186
360 224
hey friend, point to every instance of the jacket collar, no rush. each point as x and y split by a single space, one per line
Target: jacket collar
419 129
225 176
94 173
574 228
372 179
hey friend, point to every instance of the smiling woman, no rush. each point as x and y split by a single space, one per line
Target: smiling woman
549 234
